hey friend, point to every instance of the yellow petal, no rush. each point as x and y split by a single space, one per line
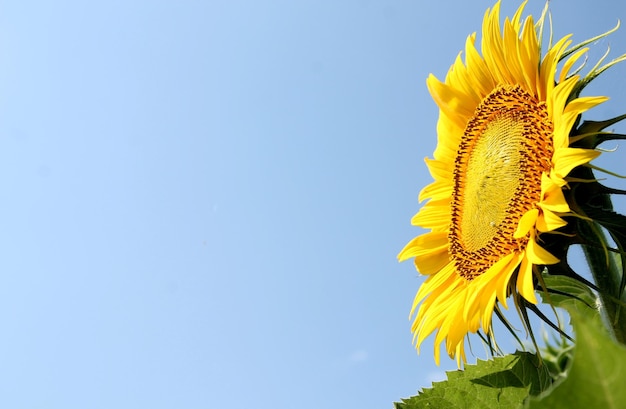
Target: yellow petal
552 196
438 169
538 255
525 281
434 214
566 159
526 223
433 262
549 221
423 244
570 62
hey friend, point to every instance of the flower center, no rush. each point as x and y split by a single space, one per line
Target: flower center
497 177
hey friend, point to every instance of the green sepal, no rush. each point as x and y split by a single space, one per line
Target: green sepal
589 134
595 72
557 356
571 294
614 222
578 46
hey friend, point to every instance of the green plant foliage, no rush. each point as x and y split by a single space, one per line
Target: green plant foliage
571 294
556 356
503 382
596 377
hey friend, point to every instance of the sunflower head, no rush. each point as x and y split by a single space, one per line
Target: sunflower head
500 171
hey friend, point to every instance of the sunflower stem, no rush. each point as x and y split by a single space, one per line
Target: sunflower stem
607 276
593 202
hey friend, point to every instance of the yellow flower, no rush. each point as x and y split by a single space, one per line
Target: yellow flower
499 172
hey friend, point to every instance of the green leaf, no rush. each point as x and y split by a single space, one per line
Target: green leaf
596 377
503 382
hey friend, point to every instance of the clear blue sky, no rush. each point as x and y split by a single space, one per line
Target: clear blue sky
203 200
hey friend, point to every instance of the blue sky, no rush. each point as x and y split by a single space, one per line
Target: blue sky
203 200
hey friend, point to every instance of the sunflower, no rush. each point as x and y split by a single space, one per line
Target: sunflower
500 166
